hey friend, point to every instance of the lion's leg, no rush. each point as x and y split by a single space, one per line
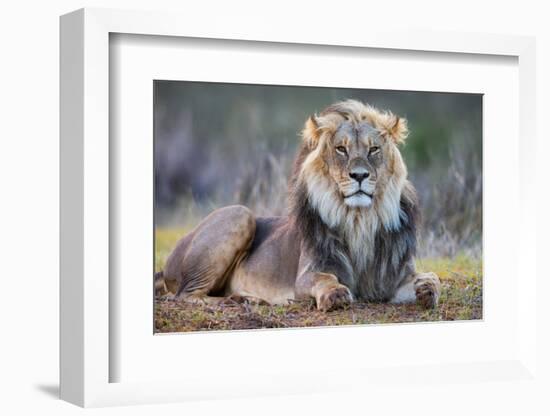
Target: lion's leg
219 242
324 288
423 288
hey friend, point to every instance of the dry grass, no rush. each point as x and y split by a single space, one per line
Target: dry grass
461 299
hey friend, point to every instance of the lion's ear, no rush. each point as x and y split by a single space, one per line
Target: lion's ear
311 133
396 129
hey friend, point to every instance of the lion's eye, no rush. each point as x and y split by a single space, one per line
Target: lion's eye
341 149
373 150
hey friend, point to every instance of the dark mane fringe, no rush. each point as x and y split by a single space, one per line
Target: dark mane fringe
393 253
325 246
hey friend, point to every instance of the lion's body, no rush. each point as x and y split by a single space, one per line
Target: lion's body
350 233
270 268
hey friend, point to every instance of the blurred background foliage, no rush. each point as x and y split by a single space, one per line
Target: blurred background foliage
219 144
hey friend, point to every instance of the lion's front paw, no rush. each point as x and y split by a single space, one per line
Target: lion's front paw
427 288
334 298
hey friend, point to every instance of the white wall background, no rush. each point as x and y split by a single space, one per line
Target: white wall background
29 115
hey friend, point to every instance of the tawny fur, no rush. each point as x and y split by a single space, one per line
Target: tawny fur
350 234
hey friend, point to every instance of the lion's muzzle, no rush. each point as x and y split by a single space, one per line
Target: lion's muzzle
360 190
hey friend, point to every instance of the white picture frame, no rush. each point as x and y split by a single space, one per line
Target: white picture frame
86 354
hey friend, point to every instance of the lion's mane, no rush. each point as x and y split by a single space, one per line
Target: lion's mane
371 250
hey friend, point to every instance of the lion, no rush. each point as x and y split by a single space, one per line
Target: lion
350 233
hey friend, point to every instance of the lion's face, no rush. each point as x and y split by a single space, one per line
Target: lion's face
352 165
355 159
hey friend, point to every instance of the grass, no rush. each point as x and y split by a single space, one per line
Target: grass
461 299
165 241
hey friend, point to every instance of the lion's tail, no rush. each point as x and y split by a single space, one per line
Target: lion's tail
160 284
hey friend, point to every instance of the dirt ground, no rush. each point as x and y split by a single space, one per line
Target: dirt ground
461 299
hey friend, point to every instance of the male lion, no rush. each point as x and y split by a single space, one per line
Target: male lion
350 233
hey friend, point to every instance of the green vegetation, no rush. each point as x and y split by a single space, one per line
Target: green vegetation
165 241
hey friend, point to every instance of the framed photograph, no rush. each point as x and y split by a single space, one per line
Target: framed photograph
304 231
282 207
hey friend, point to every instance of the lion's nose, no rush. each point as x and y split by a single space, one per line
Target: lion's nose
359 175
